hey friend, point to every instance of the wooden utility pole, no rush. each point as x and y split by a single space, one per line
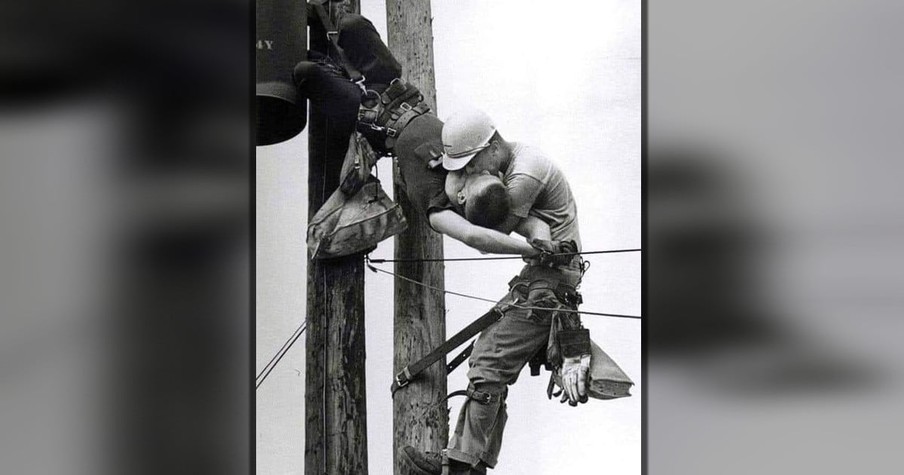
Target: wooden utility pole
420 313
335 398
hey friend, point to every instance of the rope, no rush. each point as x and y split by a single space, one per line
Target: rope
498 258
268 368
474 297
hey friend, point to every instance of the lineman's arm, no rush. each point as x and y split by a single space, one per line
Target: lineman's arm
511 223
484 240
523 190
533 227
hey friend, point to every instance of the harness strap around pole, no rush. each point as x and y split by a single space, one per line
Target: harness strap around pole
458 360
411 371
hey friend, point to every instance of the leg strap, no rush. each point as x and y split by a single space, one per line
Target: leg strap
481 397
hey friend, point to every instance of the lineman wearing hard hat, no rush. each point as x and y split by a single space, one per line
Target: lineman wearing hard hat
482 199
475 151
399 123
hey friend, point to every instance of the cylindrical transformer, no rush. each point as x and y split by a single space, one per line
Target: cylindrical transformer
281 44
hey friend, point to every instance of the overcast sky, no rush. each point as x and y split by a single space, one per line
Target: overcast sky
567 81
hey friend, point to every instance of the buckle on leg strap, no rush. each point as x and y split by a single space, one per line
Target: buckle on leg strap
402 378
481 397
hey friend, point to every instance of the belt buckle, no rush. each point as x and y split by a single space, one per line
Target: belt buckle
405 106
392 133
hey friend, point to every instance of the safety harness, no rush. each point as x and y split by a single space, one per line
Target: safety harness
332 34
391 111
388 112
522 286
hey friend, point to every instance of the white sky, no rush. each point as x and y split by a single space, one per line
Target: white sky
566 81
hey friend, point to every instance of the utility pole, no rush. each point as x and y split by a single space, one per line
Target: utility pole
420 314
335 398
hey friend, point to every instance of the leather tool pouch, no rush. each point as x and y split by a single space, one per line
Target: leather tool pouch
539 360
574 343
541 294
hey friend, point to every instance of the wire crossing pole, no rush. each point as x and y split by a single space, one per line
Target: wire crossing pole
335 398
419 314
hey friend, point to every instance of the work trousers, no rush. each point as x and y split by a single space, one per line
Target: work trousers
324 82
499 355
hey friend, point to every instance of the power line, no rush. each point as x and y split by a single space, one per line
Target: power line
498 258
474 297
268 368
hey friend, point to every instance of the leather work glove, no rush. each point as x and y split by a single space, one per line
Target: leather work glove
554 253
574 375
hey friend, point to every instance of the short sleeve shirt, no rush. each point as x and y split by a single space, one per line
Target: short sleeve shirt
417 145
538 188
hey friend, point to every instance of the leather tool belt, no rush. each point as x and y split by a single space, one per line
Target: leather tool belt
566 293
390 111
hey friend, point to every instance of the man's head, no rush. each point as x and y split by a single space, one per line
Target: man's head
471 142
485 200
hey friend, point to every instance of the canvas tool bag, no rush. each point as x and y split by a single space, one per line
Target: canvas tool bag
351 223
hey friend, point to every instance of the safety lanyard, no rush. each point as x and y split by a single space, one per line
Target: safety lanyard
332 33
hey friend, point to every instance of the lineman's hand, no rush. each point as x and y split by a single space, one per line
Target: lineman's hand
554 253
574 374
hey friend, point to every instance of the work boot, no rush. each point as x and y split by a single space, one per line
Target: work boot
421 463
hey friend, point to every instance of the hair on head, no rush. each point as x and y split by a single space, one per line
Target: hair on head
490 205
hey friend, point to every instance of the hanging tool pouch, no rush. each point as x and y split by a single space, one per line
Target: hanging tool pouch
555 289
359 214
390 111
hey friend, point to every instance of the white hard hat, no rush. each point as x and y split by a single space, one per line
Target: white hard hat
465 133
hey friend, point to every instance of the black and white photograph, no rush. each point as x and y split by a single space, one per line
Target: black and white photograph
331 237
448 237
